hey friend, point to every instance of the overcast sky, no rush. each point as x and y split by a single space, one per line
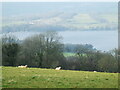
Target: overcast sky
17 8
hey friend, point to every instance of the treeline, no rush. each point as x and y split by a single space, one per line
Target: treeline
73 47
37 28
45 50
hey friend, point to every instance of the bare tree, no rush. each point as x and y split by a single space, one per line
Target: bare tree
43 49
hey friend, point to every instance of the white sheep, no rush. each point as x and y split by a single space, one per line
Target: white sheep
22 66
58 68
95 71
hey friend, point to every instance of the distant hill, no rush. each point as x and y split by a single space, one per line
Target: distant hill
59 16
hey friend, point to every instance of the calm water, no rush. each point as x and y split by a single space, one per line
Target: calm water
102 40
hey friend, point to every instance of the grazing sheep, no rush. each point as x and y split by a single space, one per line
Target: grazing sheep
58 68
22 66
95 71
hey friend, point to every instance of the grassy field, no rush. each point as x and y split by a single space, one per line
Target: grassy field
14 77
67 54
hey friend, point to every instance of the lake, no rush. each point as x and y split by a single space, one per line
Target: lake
101 40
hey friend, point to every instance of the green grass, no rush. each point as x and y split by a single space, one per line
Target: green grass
14 77
67 54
